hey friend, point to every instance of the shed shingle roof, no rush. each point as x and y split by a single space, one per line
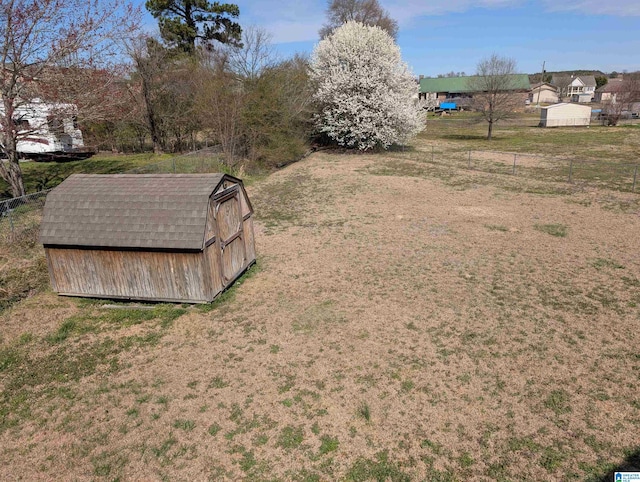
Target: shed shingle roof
157 211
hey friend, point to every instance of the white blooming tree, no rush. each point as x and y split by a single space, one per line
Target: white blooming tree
364 91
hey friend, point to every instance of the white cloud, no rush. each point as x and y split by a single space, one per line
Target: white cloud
407 11
286 20
295 21
299 21
595 7
286 31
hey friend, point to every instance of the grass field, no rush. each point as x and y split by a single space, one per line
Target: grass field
43 175
602 156
596 143
408 319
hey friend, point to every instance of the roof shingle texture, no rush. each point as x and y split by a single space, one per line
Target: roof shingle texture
161 211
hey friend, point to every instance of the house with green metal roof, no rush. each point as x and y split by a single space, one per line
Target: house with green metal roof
457 89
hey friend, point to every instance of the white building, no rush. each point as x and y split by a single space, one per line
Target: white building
565 114
543 93
582 88
47 129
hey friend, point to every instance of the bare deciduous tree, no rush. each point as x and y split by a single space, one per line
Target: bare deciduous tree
625 95
255 55
166 83
367 12
493 89
255 105
562 83
39 36
221 96
149 60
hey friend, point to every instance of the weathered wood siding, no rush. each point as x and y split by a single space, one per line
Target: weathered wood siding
145 275
212 258
170 274
247 227
249 240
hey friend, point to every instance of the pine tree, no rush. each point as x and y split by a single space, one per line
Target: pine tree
184 22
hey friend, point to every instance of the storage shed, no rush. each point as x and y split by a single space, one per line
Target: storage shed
565 114
160 237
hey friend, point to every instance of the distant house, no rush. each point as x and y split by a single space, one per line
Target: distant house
458 90
582 88
543 93
565 114
610 91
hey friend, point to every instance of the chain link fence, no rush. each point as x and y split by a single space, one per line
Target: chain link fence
20 217
467 119
130 145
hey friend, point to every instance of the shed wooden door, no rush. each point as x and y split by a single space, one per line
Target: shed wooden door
230 232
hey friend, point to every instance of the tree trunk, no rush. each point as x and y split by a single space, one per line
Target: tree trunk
151 115
10 168
12 174
490 130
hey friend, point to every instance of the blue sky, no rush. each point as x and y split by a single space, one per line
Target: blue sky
438 36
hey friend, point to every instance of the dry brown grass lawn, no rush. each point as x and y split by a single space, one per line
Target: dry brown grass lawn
406 321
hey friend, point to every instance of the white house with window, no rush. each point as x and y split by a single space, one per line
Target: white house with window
582 88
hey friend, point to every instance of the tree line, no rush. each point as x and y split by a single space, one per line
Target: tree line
203 77
206 78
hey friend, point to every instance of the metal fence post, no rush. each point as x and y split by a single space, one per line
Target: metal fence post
570 169
173 161
469 162
515 156
635 176
431 152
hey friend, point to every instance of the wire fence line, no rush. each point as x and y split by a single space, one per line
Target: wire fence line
129 144
593 120
623 176
21 216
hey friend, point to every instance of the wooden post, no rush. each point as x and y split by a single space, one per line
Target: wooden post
514 163
635 176
570 170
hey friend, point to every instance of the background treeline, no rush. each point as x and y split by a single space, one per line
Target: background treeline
244 99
